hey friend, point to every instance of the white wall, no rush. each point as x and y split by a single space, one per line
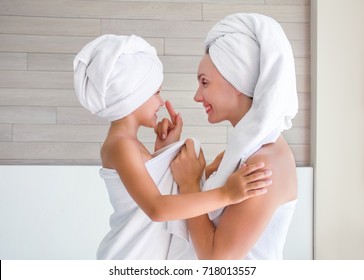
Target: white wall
338 127
62 212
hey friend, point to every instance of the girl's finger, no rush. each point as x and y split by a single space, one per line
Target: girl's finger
172 113
163 129
248 169
258 176
259 184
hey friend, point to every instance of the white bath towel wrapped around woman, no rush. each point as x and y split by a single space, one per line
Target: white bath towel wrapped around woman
133 235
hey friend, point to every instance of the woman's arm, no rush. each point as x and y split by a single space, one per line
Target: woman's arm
239 227
131 168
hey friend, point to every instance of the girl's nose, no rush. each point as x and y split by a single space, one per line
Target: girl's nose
161 101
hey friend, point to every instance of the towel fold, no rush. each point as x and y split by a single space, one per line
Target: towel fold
252 52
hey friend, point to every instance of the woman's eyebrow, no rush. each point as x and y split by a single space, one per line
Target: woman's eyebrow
200 75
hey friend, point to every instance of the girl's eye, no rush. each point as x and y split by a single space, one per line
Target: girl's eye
204 82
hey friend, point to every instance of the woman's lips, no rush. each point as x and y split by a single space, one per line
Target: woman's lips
208 108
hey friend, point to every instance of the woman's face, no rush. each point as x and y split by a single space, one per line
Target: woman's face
220 99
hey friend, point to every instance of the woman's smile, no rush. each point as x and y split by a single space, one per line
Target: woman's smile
208 108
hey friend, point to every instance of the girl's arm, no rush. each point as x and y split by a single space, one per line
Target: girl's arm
130 166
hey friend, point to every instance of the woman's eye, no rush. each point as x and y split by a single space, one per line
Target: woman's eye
204 82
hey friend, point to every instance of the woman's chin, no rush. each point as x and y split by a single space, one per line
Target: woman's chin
212 120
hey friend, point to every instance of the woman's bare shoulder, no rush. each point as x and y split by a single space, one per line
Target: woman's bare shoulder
279 158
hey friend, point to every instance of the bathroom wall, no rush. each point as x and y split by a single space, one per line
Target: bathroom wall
41 122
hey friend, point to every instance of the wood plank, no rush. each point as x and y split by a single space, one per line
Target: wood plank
102 9
54 151
13 61
56 44
182 46
59 133
39 25
178 81
38 97
36 79
297 136
302 119
23 114
77 115
50 62
6 132
180 64
157 28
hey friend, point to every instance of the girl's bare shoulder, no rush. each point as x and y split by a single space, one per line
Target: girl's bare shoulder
118 149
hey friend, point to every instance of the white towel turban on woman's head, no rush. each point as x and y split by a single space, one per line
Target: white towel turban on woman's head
254 55
114 75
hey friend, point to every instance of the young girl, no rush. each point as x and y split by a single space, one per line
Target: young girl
119 78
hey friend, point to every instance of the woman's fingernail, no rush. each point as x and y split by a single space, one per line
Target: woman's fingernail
163 136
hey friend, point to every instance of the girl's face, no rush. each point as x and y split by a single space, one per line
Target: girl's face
220 99
147 113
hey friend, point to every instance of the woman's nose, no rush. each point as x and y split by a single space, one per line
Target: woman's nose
198 96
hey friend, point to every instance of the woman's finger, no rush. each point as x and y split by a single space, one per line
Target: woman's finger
201 158
190 147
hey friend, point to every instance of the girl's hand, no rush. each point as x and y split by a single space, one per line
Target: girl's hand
168 131
248 181
187 169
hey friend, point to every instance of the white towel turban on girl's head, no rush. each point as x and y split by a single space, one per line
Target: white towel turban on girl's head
114 75
253 54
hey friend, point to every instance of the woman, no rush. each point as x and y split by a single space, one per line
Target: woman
246 77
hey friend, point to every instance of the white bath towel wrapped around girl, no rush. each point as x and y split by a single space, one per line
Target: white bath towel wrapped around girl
133 234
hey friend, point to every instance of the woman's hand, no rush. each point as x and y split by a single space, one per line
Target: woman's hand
248 181
213 166
168 131
187 169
